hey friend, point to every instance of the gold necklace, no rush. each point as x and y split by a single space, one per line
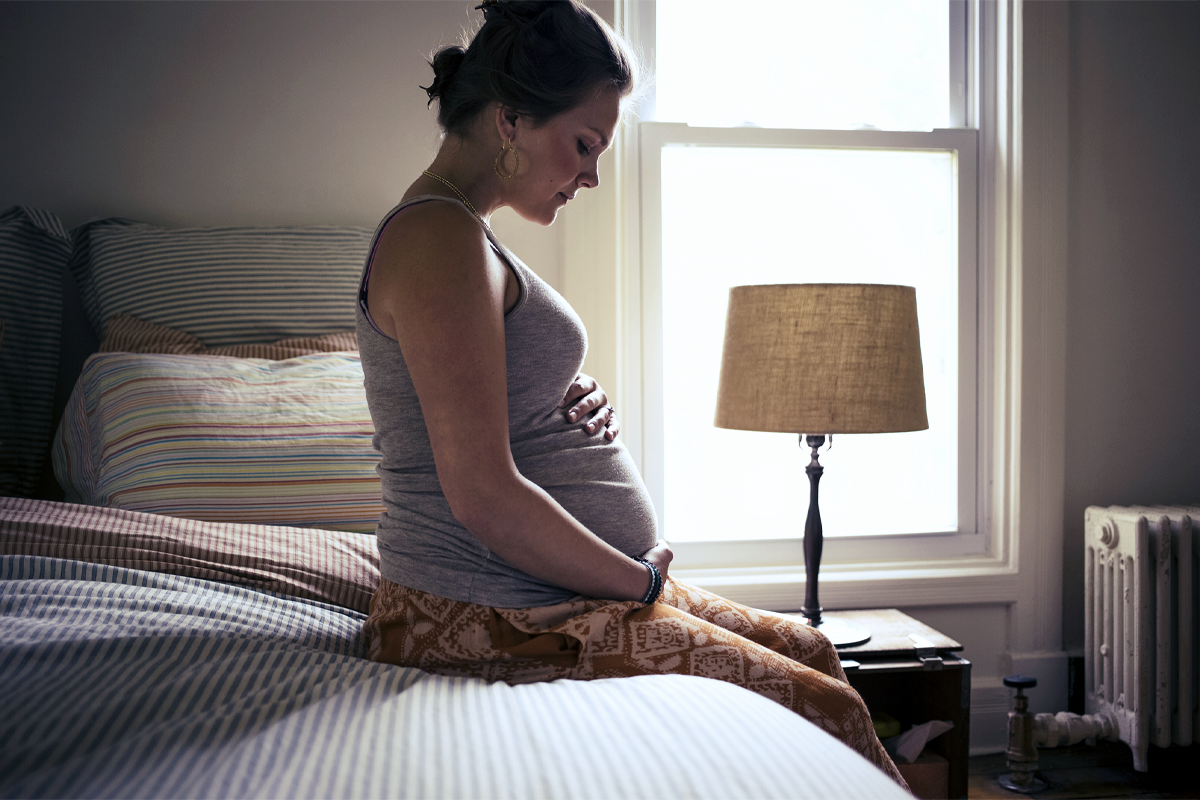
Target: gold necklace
454 189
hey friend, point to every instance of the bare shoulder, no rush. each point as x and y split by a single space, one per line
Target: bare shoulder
432 259
433 235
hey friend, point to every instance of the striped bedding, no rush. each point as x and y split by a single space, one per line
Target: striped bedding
121 679
128 334
225 285
34 249
335 567
223 439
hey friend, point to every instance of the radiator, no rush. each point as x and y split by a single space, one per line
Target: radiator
1141 578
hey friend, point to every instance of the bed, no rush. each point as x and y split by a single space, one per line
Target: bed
186 619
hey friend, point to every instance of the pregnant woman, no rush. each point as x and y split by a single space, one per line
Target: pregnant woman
518 541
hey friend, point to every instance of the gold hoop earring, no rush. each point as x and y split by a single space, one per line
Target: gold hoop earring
499 162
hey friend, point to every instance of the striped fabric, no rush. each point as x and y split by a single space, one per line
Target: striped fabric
128 334
329 566
124 683
222 285
223 439
34 249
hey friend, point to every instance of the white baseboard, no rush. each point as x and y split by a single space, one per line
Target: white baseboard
990 703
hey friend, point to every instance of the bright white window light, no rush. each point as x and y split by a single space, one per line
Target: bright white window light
804 215
830 64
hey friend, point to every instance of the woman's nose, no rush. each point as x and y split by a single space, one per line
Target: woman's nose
590 177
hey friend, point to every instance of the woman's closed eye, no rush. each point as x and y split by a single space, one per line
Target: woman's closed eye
583 148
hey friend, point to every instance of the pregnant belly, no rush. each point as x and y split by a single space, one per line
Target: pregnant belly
598 485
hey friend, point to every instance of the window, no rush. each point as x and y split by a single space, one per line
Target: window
1012 65
851 173
813 64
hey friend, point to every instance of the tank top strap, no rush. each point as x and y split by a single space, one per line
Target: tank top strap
514 264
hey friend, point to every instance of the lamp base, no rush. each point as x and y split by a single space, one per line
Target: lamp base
842 633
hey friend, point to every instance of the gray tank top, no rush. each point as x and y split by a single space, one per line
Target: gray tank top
421 544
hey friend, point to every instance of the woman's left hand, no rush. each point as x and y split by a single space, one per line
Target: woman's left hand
586 402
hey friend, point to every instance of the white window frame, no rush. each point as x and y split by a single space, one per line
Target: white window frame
1021 300
969 537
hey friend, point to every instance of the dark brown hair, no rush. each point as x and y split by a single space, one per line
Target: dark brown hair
539 57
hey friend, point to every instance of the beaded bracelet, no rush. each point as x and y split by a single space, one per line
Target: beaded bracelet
656 582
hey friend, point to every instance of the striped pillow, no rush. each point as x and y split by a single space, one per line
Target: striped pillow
222 285
128 334
223 439
34 248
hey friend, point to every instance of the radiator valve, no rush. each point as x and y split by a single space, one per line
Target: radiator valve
1022 748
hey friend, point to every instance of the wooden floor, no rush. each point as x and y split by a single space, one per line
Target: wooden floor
1105 770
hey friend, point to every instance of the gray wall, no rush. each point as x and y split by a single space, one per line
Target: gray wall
1133 280
204 113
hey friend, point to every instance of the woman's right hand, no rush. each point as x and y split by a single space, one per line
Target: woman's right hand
660 556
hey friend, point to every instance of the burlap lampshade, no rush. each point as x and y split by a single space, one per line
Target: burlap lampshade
822 358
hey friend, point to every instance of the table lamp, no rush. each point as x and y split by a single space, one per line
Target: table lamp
820 359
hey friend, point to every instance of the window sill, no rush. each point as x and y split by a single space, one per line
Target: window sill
781 588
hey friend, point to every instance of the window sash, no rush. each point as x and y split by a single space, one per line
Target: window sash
646 352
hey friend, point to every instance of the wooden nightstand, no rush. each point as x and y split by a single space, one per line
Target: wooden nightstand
914 686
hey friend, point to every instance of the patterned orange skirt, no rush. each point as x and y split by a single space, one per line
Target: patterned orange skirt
688 631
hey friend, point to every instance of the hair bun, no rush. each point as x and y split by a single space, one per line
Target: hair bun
518 12
536 57
492 8
445 65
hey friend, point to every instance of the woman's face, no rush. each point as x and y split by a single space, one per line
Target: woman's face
558 157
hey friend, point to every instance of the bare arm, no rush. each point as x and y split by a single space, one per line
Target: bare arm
440 288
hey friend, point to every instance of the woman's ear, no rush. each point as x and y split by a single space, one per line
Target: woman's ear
506 122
